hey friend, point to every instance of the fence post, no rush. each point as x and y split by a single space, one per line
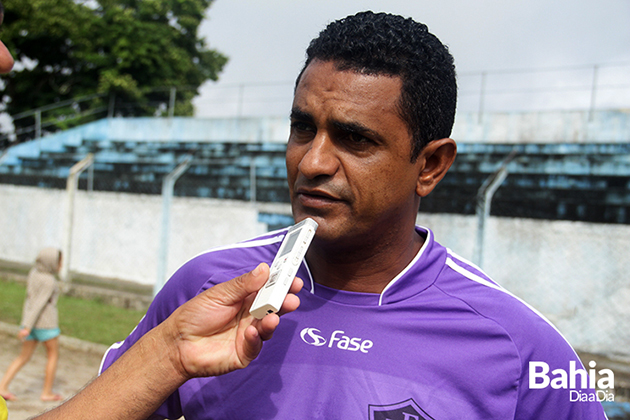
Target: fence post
591 109
484 201
171 102
482 96
168 184
38 124
239 105
71 186
112 104
252 179
90 183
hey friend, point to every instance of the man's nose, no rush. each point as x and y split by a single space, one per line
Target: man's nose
320 159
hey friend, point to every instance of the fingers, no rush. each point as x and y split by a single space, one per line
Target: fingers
269 323
297 285
239 288
267 326
214 333
252 282
292 302
258 332
252 345
23 333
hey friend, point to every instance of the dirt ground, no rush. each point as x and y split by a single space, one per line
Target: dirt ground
77 366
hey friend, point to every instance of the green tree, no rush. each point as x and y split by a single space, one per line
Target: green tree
130 50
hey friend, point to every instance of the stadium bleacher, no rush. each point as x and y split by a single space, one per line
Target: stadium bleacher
556 181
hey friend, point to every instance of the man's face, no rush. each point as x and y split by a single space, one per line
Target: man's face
349 156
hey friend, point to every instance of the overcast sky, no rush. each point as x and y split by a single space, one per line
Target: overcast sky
265 42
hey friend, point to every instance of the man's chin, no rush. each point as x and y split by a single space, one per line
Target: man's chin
331 225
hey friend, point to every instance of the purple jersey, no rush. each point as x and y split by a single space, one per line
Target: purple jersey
442 341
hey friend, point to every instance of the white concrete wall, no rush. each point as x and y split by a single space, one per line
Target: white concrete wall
117 235
577 274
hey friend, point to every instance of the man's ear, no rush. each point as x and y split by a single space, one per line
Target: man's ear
436 158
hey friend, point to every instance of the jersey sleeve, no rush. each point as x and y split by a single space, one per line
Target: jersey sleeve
538 346
197 275
191 279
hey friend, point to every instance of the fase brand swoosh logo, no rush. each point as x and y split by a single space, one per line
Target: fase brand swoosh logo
337 340
309 336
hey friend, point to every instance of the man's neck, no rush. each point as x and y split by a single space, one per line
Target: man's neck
366 269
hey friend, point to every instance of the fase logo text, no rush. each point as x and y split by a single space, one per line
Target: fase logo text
337 339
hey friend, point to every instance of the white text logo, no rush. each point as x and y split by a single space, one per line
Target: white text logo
337 339
576 379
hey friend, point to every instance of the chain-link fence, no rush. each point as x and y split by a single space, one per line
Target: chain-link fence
587 87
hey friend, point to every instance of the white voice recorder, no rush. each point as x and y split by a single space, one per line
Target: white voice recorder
284 268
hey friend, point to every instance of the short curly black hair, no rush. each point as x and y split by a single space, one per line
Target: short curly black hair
382 43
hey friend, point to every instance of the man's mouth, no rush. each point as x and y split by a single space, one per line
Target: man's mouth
315 197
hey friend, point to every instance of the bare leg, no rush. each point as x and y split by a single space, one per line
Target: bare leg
52 350
28 347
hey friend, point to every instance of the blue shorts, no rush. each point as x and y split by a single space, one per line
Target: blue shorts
43 334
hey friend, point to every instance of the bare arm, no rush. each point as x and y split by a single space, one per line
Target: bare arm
210 335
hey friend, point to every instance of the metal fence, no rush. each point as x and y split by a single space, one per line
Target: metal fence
599 86
588 87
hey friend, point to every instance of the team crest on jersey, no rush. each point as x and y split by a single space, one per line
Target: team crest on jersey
405 410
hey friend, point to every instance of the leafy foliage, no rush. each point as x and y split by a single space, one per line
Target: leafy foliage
131 50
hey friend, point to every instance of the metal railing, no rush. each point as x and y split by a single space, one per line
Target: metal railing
75 115
588 87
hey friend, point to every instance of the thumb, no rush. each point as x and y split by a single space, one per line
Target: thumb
237 289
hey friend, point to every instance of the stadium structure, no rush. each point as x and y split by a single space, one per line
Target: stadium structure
551 176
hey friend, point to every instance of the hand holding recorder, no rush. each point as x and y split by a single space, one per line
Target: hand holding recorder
217 336
214 333
211 334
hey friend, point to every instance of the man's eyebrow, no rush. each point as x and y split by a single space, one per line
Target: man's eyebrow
356 128
298 114
343 126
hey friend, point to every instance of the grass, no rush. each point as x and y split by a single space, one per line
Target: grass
88 320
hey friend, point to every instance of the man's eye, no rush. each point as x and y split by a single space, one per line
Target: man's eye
301 126
358 138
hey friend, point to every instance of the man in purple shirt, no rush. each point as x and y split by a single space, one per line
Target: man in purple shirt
391 325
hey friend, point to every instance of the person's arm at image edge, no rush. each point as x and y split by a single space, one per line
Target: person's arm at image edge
210 335
6 60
